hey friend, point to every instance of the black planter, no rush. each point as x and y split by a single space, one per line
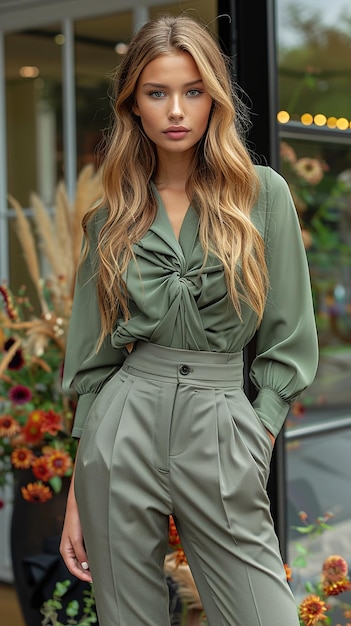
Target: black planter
35 531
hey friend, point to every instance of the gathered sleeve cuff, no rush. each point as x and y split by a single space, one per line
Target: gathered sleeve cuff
287 345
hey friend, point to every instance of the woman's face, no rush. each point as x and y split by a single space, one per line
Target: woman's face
172 103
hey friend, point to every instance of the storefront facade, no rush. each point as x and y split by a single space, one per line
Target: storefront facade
294 64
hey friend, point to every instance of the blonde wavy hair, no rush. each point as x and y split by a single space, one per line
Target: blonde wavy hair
222 182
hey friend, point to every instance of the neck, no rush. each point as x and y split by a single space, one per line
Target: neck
173 170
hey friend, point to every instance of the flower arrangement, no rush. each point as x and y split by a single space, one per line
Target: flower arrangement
316 607
35 417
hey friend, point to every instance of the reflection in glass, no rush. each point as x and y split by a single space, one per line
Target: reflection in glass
319 176
34 121
315 58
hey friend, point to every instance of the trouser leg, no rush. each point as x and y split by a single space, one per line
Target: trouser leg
219 469
124 505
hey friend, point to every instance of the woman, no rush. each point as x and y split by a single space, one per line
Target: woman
192 249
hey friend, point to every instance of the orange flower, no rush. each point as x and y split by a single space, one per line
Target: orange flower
174 542
36 492
288 572
180 557
335 588
51 423
22 458
303 516
312 610
8 426
59 463
41 470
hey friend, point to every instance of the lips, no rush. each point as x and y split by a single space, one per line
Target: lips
176 132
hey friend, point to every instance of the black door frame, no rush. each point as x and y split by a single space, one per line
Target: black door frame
246 31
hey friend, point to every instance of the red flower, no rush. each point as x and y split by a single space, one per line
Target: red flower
19 394
173 537
335 568
36 492
32 429
41 469
51 423
175 543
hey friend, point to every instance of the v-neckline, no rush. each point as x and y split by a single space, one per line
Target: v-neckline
161 204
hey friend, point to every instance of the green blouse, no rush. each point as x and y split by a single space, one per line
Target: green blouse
173 304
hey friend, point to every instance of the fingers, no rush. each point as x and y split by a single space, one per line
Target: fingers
76 560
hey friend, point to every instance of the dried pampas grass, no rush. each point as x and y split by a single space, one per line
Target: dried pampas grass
52 260
59 234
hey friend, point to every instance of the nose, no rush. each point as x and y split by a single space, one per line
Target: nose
176 108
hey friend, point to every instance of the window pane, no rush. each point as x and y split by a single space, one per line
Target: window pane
315 57
96 58
34 122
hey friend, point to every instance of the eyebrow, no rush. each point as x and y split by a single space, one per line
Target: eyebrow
160 86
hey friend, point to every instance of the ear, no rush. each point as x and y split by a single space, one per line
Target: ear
136 110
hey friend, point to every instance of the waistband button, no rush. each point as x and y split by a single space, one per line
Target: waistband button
184 370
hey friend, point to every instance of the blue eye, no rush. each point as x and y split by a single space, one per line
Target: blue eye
157 94
194 92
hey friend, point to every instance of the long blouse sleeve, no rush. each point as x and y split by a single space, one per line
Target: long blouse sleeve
85 369
287 347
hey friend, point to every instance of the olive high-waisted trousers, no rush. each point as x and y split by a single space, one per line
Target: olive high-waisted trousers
172 432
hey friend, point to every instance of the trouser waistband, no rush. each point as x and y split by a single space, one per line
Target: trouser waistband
215 369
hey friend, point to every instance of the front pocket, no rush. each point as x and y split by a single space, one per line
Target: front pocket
250 428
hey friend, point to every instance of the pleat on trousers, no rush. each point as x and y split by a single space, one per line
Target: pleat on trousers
172 432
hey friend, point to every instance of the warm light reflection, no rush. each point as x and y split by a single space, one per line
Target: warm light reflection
59 39
121 48
283 117
320 120
331 122
29 71
307 119
342 123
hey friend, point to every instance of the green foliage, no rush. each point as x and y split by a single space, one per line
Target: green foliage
75 614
